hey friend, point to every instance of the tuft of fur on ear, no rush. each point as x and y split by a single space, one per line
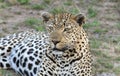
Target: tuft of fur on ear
46 16
80 19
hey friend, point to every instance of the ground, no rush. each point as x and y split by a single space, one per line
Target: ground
102 25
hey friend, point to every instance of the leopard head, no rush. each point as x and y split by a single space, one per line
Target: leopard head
64 29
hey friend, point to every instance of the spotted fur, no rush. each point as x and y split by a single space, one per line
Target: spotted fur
63 50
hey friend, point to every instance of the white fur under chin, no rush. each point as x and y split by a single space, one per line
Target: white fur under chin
57 52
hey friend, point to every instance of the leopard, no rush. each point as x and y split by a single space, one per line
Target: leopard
61 50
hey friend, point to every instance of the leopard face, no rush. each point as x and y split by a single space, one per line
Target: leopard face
64 30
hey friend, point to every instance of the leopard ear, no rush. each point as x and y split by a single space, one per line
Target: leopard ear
46 16
80 19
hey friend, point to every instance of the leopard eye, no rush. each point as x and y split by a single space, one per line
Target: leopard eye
49 28
66 29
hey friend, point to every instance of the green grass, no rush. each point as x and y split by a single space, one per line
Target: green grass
15 27
95 23
31 21
95 43
23 1
115 39
1 35
5 30
68 2
117 59
96 53
34 23
117 49
118 25
102 64
39 28
1 0
100 31
57 10
47 1
18 12
117 70
38 6
7 73
74 11
99 53
4 5
105 63
92 12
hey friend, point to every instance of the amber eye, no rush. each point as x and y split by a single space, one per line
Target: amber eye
67 29
49 28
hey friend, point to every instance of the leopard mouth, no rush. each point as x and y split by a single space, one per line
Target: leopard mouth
62 49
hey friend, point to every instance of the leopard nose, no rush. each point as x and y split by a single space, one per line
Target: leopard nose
55 42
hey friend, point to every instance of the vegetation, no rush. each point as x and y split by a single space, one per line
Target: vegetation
31 21
100 31
57 10
94 23
3 5
34 23
105 63
38 6
117 70
95 43
1 0
5 30
92 12
47 1
68 2
117 59
118 25
74 11
23 1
